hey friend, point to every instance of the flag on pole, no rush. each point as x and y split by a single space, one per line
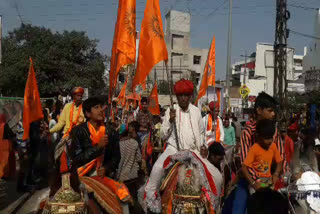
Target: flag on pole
153 101
127 32
152 46
113 61
122 95
32 109
124 41
209 74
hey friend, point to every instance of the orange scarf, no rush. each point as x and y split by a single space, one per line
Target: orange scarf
95 135
73 124
118 188
209 128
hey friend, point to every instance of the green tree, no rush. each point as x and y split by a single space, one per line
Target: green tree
163 87
61 60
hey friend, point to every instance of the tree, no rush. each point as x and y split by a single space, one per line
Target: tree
62 61
164 87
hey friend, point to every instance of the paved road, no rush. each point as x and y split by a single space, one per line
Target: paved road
32 205
8 194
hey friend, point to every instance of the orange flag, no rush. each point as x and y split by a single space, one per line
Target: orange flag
209 74
152 48
113 61
153 101
122 95
124 41
127 32
32 109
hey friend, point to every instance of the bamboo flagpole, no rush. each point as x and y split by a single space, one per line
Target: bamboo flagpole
171 102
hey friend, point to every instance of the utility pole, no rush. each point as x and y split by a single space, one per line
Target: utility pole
280 58
0 39
245 67
245 74
228 69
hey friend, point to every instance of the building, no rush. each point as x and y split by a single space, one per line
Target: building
311 62
257 73
184 61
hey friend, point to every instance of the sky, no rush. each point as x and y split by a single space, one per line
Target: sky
253 21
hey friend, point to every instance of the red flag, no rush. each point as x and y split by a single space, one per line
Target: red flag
209 74
153 101
32 109
152 48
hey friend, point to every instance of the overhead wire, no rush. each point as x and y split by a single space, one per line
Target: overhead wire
304 35
302 7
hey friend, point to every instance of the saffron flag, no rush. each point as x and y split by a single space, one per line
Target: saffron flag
113 61
209 74
124 41
127 31
152 48
153 101
122 95
32 109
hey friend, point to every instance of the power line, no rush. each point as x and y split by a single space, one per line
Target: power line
304 35
302 7
17 10
218 8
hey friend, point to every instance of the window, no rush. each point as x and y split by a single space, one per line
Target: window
196 60
177 42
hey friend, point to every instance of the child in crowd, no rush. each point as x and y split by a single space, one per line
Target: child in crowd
129 165
257 165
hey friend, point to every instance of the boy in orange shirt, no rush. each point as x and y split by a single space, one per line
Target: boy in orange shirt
257 165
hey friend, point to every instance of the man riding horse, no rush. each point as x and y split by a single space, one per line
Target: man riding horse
190 133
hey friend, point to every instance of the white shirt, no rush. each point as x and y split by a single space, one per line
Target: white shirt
212 135
135 112
190 128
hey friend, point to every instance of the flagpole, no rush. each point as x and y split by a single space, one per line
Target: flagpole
171 101
214 106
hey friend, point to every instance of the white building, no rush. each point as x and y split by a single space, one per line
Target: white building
259 75
184 61
311 61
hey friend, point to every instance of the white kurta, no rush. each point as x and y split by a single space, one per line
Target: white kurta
190 129
191 135
211 136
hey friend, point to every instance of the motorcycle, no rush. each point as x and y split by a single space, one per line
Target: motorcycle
304 194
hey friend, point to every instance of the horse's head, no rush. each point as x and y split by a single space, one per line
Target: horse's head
188 180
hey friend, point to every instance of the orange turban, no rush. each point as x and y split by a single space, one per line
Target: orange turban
183 87
78 90
213 105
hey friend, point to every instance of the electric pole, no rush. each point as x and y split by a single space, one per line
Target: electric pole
245 76
228 69
280 57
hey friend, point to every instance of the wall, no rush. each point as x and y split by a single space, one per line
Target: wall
180 62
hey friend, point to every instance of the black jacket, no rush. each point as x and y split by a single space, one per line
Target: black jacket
82 151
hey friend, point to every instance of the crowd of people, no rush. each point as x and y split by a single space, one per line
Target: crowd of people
124 149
